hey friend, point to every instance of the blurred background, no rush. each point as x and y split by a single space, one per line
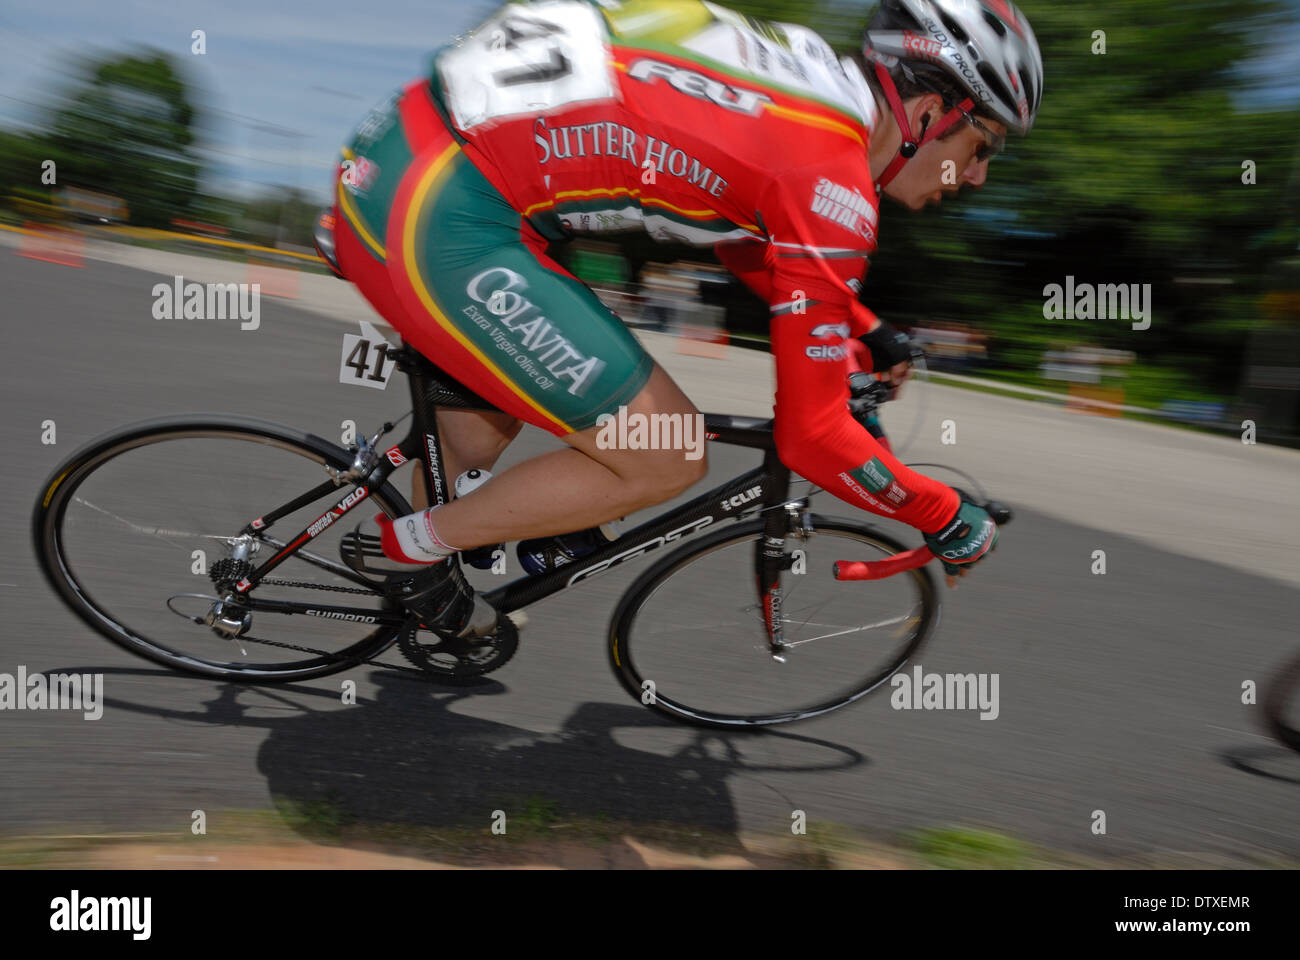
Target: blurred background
1133 174
145 139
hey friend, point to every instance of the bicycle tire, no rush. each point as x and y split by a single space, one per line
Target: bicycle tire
57 493
622 633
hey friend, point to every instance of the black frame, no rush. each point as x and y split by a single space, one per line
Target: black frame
766 487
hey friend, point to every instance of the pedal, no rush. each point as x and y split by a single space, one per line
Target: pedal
483 621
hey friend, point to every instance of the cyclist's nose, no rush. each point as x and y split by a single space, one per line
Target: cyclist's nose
976 173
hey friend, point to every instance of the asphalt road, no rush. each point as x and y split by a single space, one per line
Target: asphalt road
1120 693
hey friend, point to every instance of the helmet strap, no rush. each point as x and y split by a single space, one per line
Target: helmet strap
910 143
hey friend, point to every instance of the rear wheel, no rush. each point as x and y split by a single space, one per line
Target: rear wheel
688 639
130 529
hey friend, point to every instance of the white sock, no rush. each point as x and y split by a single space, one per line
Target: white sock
412 539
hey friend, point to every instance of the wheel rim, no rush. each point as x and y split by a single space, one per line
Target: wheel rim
111 596
708 658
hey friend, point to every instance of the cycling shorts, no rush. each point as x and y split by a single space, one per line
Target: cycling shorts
463 276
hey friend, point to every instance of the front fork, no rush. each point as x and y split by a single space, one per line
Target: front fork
781 516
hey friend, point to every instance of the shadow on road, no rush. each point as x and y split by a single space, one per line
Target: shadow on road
405 755
1263 762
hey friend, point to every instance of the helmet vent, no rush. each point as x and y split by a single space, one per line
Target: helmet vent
1031 95
990 55
995 22
954 28
997 84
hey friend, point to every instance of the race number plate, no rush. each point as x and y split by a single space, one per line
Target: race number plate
527 59
365 361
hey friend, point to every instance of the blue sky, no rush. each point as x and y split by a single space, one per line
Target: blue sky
284 82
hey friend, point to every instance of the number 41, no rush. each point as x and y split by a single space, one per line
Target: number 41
359 356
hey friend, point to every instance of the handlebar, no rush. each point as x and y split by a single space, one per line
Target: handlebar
866 393
879 569
908 559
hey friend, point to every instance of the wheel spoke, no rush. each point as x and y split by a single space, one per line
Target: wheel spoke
160 532
840 633
162 493
724 672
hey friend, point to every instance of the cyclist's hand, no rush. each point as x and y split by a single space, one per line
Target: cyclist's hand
897 376
964 540
892 352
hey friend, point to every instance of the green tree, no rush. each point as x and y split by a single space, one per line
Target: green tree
1133 173
126 127
282 215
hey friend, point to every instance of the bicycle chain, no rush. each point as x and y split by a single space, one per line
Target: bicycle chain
272 582
275 582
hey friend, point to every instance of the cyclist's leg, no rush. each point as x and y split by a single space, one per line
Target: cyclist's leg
470 438
472 288
490 293
580 487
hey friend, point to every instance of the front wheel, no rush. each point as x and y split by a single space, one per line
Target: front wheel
688 638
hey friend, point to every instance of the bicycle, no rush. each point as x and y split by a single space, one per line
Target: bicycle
807 647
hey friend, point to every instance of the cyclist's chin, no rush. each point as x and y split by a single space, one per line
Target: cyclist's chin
919 201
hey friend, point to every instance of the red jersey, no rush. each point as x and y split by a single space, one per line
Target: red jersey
689 120
704 126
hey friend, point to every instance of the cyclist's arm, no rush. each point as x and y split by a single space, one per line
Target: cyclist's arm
819 439
810 261
754 263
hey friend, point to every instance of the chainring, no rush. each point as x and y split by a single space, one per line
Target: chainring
459 660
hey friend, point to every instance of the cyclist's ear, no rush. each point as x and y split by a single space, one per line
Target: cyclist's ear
931 110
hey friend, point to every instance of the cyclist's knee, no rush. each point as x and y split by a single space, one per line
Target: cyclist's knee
475 438
655 444
650 477
693 471
678 474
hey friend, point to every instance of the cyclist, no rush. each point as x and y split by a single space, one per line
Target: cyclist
697 124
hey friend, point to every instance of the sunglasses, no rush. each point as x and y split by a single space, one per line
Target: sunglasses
993 144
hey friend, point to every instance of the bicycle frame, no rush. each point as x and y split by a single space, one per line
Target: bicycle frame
766 487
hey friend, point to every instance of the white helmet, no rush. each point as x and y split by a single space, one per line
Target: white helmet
984 46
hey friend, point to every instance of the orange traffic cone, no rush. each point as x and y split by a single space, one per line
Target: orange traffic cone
1110 400
43 241
274 280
